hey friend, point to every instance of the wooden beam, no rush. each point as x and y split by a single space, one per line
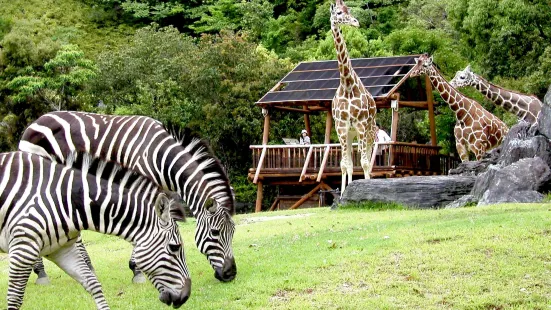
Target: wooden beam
295 110
323 163
430 101
307 123
260 163
305 197
259 196
276 203
415 104
328 127
306 162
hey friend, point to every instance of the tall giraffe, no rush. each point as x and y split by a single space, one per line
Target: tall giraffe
524 106
476 129
353 107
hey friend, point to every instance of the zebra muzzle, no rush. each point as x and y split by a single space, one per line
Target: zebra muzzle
175 298
228 271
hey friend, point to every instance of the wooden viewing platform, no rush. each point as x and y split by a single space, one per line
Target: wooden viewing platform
300 172
320 163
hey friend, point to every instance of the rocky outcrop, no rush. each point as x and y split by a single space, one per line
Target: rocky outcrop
518 182
416 192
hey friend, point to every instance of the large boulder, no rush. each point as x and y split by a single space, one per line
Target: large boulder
518 182
522 142
417 192
544 119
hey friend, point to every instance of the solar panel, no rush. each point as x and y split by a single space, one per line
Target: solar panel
318 80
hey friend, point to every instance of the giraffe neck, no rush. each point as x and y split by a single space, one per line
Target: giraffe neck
457 102
509 100
347 75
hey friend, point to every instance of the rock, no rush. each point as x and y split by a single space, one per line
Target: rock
544 119
518 197
461 202
417 192
521 142
522 177
472 168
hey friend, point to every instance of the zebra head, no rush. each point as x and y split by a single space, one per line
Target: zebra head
160 254
463 78
215 239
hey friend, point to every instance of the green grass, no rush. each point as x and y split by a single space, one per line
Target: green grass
495 257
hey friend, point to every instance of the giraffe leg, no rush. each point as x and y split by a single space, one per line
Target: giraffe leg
69 258
462 150
23 253
365 150
350 161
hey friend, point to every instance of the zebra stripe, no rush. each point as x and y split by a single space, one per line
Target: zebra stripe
170 157
44 206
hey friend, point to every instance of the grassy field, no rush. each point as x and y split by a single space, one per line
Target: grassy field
496 257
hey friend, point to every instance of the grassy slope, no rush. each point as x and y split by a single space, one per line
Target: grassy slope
70 21
493 257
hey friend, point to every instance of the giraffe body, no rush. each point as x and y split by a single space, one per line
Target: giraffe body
353 107
526 107
476 130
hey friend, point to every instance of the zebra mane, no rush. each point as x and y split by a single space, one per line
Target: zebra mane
188 140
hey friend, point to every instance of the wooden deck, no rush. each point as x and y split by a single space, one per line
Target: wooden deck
287 164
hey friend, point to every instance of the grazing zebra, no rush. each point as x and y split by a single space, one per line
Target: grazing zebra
44 206
171 158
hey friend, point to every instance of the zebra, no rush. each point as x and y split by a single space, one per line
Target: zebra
169 156
45 205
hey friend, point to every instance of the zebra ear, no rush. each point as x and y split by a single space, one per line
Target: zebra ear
162 207
468 69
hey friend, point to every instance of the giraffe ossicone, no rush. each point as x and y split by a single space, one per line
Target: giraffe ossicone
476 129
353 107
525 107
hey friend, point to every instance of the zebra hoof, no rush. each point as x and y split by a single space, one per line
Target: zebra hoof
42 281
138 278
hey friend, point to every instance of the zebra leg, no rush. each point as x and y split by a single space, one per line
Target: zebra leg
69 258
22 256
84 254
38 268
139 277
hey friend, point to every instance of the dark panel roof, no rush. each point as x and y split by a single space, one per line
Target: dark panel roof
318 80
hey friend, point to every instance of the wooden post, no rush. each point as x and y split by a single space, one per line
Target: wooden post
259 196
266 131
307 124
430 102
328 125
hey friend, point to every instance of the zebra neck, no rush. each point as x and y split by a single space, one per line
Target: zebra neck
114 209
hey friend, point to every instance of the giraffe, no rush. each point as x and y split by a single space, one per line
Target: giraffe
476 129
353 107
524 106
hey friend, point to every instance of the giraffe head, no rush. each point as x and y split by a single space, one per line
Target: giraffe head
463 78
423 65
340 14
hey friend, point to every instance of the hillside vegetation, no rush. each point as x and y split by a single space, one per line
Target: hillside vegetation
203 64
473 258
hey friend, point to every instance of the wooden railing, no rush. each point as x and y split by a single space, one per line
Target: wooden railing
321 157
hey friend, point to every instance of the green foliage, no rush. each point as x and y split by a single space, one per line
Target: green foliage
57 84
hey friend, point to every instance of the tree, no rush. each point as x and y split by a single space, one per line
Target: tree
58 83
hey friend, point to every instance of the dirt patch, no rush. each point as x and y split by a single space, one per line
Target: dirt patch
271 218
